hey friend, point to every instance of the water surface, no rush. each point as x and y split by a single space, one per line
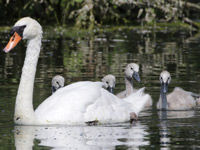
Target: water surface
90 57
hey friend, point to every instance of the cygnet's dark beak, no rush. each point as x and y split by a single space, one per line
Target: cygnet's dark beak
164 88
110 89
54 89
136 76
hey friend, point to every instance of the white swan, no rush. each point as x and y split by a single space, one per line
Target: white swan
178 99
73 104
132 71
57 82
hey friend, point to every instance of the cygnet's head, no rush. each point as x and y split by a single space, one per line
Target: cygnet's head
109 82
25 28
165 79
57 82
132 71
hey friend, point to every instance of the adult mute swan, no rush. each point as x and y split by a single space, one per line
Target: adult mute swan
132 72
179 99
57 82
77 103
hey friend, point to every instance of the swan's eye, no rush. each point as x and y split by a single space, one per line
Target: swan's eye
18 29
161 78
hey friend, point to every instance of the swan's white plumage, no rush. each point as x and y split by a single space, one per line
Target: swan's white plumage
87 101
74 104
68 104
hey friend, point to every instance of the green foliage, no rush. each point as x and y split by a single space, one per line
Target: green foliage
91 14
79 1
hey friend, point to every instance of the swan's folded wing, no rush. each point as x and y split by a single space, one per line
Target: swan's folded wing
137 100
108 109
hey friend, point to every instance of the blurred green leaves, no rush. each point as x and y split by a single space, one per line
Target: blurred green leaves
90 14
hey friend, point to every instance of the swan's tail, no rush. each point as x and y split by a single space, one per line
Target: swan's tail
138 100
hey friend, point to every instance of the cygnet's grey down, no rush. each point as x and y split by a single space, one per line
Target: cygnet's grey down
178 99
132 72
57 82
197 98
109 81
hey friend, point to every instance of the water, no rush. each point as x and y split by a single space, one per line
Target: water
90 57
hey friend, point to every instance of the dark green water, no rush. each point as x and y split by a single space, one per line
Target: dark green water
90 57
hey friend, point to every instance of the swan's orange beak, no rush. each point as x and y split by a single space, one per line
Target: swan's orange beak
13 42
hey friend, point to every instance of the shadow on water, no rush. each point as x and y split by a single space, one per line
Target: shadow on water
90 57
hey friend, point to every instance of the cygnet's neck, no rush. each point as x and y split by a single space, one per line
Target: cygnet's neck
24 113
129 85
163 104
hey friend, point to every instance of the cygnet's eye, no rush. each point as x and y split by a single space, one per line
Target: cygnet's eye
57 82
131 68
107 82
161 78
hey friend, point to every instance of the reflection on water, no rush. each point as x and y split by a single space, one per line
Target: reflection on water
165 125
164 135
176 114
90 57
85 137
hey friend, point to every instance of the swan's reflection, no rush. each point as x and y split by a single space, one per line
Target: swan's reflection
164 134
176 114
164 116
81 137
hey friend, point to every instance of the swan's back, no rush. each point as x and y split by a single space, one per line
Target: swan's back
138 99
110 108
180 99
69 103
87 101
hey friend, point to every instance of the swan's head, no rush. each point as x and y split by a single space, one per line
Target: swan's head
165 79
57 82
109 82
25 28
132 71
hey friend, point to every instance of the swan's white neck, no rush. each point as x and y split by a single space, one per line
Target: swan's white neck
24 113
129 86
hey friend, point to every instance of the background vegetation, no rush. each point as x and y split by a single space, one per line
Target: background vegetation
91 13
